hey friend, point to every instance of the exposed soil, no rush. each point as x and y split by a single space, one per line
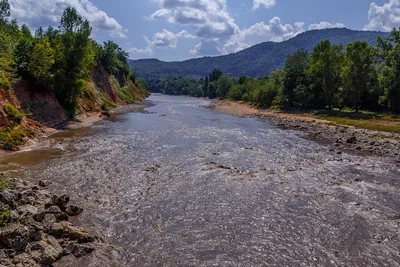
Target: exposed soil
341 137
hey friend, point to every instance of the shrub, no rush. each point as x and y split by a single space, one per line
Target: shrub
11 139
5 216
13 113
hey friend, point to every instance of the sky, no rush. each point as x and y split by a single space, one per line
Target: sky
173 30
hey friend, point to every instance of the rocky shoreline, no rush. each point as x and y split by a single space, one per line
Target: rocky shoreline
339 137
342 137
37 230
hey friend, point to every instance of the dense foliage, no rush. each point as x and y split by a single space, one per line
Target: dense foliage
256 61
359 76
59 59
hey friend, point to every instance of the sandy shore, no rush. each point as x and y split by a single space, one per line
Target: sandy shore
340 137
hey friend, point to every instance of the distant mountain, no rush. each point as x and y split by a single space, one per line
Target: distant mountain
255 61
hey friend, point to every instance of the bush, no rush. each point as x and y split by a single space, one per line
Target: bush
11 139
13 113
5 215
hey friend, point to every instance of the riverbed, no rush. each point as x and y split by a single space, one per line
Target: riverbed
181 185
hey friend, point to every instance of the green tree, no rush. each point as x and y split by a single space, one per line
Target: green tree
224 84
212 89
295 69
325 68
5 12
41 63
75 57
358 74
389 77
205 86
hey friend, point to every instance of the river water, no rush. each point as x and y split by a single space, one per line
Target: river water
182 185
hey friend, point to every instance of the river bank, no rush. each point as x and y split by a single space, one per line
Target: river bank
84 120
340 137
37 228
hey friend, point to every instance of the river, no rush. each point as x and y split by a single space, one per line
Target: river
181 185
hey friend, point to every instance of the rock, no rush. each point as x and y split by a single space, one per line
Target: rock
14 236
66 230
27 210
339 152
336 144
61 202
73 210
359 148
48 221
106 113
24 260
46 251
8 197
351 140
44 183
82 250
358 180
55 210
69 248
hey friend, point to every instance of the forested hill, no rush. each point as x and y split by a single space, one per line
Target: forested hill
256 61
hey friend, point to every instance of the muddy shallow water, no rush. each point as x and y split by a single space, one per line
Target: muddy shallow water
185 186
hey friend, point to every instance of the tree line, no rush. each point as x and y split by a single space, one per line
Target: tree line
358 76
58 59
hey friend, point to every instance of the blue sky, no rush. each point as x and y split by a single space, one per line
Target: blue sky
182 29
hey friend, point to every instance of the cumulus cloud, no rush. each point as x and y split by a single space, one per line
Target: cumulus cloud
384 18
209 18
325 25
37 13
161 40
266 3
274 30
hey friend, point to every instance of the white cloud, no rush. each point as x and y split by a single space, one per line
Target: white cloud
185 34
266 3
261 32
325 25
384 18
164 39
44 13
210 18
161 40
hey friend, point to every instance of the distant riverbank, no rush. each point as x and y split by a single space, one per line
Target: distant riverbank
324 128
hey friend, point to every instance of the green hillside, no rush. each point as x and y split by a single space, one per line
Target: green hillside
255 61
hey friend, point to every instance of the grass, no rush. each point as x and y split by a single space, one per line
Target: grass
127 94
377 125
385 122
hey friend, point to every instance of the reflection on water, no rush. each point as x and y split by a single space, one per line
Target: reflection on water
28 158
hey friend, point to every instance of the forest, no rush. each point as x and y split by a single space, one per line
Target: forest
256 61
358 76
57 59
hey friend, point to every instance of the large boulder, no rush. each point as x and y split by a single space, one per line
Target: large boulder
55 210
67 230
46 251
15 236
59 201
